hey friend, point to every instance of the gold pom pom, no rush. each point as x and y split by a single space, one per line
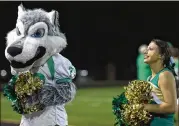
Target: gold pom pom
137 93
26 85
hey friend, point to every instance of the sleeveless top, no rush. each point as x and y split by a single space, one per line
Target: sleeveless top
158 97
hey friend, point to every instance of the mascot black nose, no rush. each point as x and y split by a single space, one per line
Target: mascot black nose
14 51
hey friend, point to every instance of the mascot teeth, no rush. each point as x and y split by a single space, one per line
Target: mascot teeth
43 79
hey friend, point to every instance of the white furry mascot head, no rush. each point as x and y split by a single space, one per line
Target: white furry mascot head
34 40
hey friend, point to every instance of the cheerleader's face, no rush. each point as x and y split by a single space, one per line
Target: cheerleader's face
151 55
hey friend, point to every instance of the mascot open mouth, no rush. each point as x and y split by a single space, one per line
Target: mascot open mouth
40 53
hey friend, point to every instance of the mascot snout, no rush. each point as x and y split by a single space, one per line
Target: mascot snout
14 51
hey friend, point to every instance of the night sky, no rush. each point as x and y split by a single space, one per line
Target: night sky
102 32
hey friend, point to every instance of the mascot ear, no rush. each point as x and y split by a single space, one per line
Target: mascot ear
53 16
21 10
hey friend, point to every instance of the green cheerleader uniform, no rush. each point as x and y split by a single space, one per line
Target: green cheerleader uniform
159 119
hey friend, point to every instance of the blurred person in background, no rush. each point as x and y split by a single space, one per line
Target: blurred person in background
170 44
111 71
175 54
163 83
143 69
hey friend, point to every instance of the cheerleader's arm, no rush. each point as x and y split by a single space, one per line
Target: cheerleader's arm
168 87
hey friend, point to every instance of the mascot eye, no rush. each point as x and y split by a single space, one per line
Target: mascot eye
39 33
17 31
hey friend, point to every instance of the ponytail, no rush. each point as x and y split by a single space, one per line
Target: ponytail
171 66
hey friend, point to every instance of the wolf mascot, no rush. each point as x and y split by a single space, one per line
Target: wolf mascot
34 45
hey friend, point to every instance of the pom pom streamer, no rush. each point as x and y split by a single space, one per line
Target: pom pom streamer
22 91
128 107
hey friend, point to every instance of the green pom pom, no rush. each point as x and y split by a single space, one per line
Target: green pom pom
117 107
8 90
17 107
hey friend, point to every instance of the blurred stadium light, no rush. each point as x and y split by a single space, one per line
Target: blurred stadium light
82 77
5 75
83 73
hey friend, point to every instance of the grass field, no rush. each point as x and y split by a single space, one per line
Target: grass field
92 107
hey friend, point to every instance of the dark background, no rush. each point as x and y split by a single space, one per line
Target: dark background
102 32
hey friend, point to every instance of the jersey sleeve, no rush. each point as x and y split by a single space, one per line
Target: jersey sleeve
64 68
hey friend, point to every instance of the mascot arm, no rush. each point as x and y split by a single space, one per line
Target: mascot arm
64 89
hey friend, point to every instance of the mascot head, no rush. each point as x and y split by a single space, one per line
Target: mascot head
34 40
